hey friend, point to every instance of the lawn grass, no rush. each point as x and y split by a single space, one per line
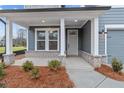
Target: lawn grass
2 49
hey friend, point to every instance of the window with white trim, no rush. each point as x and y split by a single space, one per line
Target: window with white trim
47 39
40 40
53 40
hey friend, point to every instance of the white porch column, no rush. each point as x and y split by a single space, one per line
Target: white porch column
94 37
8 37
62 35
8 57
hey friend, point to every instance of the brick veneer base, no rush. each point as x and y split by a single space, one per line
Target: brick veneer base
9 59
95 61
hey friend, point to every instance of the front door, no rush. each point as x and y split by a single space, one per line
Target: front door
72 42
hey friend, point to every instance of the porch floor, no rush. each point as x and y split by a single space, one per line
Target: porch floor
69 62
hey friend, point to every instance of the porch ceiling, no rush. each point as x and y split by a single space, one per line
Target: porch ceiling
31 18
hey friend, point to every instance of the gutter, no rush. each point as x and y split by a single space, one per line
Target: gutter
57 9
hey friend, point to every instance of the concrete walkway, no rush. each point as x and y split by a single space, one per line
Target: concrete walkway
80 72
84 76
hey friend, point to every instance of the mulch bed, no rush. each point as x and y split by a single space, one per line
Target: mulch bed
17 78
107 71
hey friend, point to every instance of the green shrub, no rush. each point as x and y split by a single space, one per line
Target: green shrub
27 66
117 66
35 73
2 65
54 64
2 73
2 85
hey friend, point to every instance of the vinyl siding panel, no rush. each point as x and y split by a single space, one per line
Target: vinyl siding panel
112 16
85 38
31 38
116 48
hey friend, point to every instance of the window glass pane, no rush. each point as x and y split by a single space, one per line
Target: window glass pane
41 35
40 45
53 35
52 45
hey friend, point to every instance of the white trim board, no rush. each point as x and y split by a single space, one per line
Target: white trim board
111 26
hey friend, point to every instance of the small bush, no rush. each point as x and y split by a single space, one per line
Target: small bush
117 66
2 65
2 85
27 66
2 73
35 73
54 64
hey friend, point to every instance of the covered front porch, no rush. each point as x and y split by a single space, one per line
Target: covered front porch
76 33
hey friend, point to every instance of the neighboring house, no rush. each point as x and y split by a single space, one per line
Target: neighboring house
95 33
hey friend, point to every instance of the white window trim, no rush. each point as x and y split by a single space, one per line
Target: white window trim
46 39
111 26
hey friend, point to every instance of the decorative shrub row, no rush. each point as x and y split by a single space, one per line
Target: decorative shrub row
54 65
2 72
2 85
34 71
28 66
117 66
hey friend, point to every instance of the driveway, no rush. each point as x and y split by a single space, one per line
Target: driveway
84 76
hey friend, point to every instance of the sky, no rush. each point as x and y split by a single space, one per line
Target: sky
15 27
3 7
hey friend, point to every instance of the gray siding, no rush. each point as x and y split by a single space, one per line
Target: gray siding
101 44
116 48
85 38
31 39
112 16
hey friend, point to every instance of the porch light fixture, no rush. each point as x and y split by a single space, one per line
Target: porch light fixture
103 32
75 20
43 21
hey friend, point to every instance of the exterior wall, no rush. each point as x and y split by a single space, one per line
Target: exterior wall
85 38
31 39
41 6
112 16
101 44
